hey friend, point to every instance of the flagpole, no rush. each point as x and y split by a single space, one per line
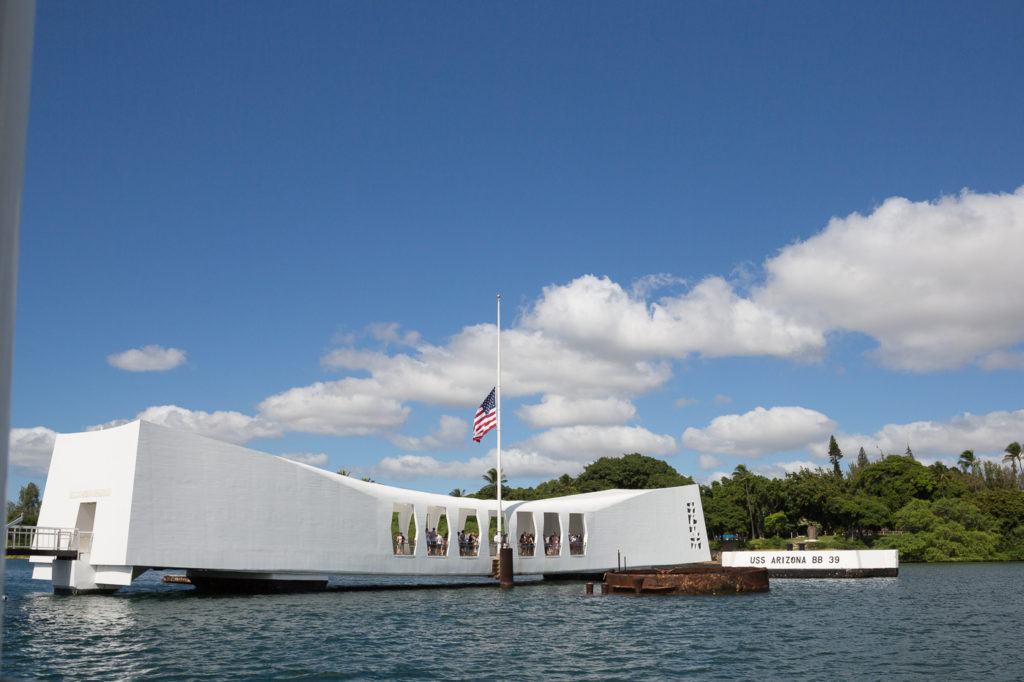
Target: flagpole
497 414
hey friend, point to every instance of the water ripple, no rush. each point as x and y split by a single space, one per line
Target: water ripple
933 621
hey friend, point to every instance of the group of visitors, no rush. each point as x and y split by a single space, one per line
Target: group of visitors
437 544
526 544
552 544
469 544
401 544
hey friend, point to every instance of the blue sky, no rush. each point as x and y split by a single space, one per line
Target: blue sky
721 233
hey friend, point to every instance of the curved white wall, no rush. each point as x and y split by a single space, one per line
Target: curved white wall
173 499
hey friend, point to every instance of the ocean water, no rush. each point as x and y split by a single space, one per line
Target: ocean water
938 621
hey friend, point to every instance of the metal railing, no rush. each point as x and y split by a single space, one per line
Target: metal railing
469 547
47 541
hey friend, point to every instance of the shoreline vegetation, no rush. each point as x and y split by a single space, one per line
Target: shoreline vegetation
929 513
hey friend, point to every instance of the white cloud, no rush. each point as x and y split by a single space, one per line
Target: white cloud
768 470
705 462
349 407
552 453
685 402
557 410
31 448
515 462
933 282
532 362
644 286
711 319
316 460
1002 359
987 433
233 427
451 432
405 467
722 399
780 469
759 432
588 443
389 333
937 284
147 359
717 476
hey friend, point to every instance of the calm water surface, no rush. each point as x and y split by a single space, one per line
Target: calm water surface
954 621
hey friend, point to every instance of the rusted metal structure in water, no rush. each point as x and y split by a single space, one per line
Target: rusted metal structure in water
686 580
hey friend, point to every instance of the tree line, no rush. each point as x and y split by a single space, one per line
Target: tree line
974 511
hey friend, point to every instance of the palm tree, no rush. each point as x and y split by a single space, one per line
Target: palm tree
967 459
1013 455
1012 461
492 476
457 492
743 475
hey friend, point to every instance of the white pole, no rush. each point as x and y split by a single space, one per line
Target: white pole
497 414
17 20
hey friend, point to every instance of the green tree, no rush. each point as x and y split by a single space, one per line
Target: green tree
834 454
967 460
860 465
777 524
492 477
1006 506
808 493
28 505
457 492
489 491
860 513
996 476
1013 455
944 530
630 472
556 487
744 478
633 471
724 508
947 482
896 480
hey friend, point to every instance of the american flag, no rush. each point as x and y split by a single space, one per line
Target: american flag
486 417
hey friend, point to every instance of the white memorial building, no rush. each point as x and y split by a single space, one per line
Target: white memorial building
143 496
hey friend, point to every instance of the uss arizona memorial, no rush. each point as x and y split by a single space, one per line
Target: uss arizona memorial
143 496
